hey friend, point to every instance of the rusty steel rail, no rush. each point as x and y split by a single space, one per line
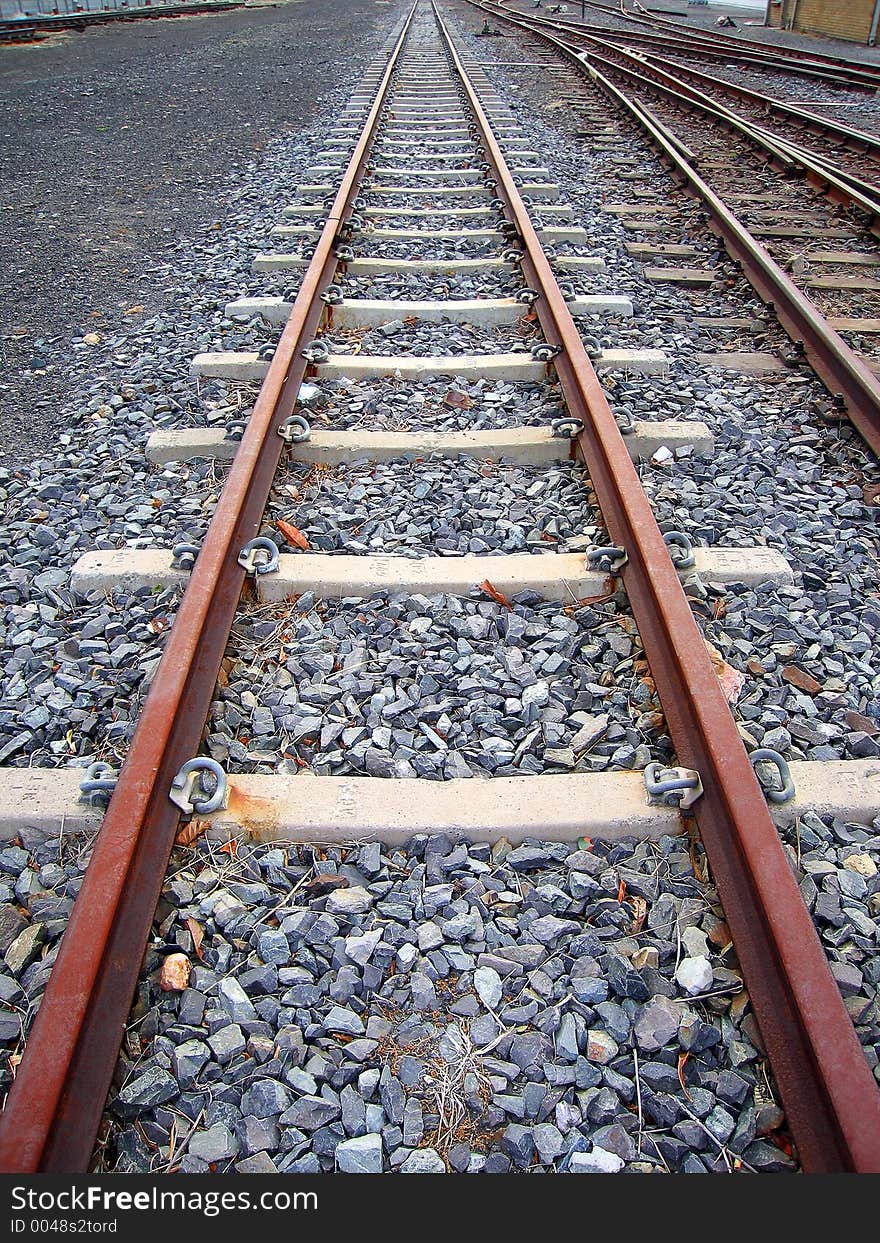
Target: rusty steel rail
724 42
840 369
838 186
666 34
831 1100
856 140
56 1101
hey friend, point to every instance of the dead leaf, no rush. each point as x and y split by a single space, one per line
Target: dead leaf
92 338
640 914
621 891
135 310
682 1059
457 400
486 586
292 534
197 932
189 832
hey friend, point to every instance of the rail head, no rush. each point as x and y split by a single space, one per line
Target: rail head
831 1100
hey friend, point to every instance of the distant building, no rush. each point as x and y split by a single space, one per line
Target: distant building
855 20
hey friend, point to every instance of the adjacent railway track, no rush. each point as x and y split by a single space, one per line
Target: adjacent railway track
845 373
41 26
668 36
425 139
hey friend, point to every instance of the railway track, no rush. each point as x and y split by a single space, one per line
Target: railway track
428 186
38 26
670 37
758 220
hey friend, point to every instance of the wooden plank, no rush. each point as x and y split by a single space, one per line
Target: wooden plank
842 284
668 249
680 276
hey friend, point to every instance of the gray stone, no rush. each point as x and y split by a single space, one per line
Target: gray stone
345 1021
487 983
235 1001
216 1144
423 1161
657 1025
151 1086
272 946
360 1155
227 1042
265 1098
188 1059
310 1112
25 949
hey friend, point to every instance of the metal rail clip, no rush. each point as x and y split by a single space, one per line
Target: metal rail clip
625 419
260 556
681 550
316 352
679 787
609 557
184 555
192 793
99 781
566 427
332 295
782 793
295 429
235 429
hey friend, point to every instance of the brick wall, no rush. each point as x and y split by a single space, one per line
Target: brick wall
841 19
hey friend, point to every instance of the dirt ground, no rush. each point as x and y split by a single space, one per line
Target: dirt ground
112 145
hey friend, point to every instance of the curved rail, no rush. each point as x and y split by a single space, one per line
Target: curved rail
692 41
841 187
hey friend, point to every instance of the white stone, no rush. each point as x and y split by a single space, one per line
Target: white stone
694 975
599 1161
487 982
423 1161
352 901
360 949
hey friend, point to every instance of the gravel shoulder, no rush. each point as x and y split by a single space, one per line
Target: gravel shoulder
126 156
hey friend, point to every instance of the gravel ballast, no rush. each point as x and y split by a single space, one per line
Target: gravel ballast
146 125
559 1007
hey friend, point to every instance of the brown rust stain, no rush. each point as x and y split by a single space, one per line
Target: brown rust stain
258 816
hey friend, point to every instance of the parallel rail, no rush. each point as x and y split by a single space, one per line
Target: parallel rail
56 1101
28 29
689 41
